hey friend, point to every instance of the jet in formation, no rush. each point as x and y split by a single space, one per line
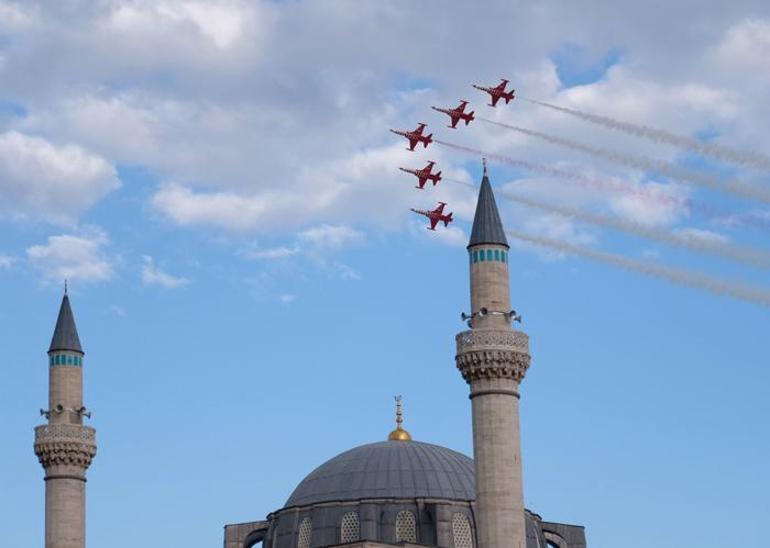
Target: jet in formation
435 216
415 137
457 114
498 92
424 175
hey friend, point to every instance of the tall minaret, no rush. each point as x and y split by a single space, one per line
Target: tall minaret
64 446
493 359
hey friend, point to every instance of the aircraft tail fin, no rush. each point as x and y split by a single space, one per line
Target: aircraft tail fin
448 220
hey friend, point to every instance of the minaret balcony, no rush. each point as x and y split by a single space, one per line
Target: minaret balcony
65 444
492 354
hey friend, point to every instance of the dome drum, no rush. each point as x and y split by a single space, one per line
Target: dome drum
378 522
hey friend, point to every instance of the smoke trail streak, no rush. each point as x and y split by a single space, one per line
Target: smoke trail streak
648 164
747 255
698 280
720 152
756 221
458 182
581 180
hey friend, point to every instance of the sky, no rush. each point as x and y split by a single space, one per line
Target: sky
217 183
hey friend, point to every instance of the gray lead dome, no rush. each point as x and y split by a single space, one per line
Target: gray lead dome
389 469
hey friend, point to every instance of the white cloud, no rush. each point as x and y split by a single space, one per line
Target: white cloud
451 235
330 237
55 183
650 203
153 275
344 272
73 257
287 298
258 135
281 252
6 261
706 236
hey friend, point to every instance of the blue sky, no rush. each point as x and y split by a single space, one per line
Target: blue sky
251 290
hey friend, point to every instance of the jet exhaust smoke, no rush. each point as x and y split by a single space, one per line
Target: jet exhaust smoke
754 221
458 182
648 164
719 152
698 280
755 257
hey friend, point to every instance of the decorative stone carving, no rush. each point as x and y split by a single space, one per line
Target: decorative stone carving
492 354
65 444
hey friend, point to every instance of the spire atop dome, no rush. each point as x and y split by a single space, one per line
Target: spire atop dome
65 334
487 227
399 434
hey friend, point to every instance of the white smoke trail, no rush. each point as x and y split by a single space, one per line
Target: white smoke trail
584 181
720 152
458 182
747 255
757 221
648 164
698 280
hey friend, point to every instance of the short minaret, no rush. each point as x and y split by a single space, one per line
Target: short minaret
493 359
64 446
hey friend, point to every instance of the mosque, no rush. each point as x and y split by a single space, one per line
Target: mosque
396 492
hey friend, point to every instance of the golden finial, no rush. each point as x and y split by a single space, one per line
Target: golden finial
399 434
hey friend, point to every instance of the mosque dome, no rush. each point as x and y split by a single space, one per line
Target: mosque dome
391 469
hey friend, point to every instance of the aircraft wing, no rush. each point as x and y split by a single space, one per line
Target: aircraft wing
413 142
495 99
440 208
433 223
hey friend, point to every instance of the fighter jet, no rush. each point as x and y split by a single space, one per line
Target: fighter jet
424 175
498 92
415 136
457 114
435 216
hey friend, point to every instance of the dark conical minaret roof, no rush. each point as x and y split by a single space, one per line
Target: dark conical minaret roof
65 335
487 227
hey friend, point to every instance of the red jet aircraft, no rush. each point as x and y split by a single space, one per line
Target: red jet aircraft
457 114
498 92
424 175
415 136
435 216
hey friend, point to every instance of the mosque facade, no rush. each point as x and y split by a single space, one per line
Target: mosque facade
396 492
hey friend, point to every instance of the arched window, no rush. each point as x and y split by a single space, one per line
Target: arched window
305 531
406 527
461 531
350 529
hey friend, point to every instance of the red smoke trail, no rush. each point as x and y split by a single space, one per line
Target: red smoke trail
599 184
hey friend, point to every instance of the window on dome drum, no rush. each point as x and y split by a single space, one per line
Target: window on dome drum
406 527
350 529
476 256
305 530
497 255
489 254
461 531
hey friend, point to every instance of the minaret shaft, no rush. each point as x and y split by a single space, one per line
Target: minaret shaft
64 446
493 359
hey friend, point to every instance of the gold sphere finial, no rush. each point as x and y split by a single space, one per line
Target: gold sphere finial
399 434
